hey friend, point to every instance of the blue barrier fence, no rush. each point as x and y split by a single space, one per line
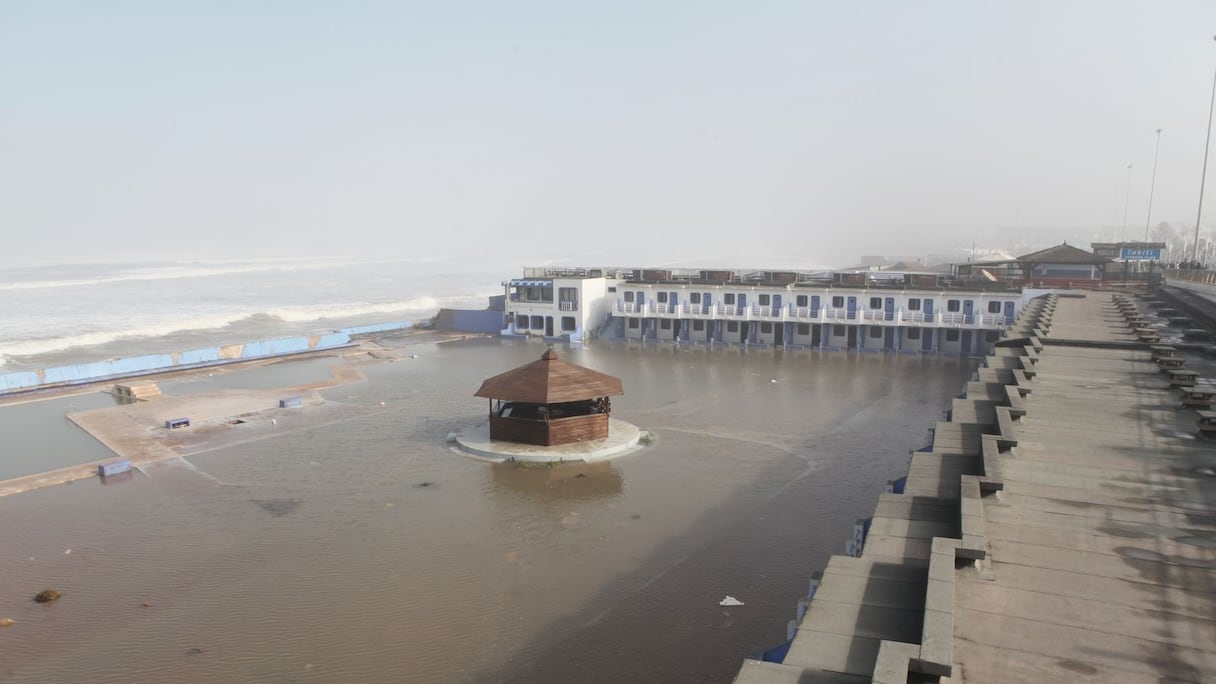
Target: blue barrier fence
154 363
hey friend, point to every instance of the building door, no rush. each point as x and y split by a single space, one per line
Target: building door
888 309
548 326
641 301
814 306
673 299
889 338
851 313
816 334
706 302
852 337
1008 313
675 329
779 336
742 299
928 306
966 342
777 305
968 310
926 339
744 332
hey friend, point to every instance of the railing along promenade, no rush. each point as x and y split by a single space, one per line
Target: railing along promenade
823 314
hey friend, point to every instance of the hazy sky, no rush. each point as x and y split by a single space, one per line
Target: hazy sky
629 132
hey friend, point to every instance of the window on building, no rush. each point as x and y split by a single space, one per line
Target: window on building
732 326
764 300
952 305
994 307
629 296
567 294
661 297
837 302
694 298
952 335
875 331
800 300
728 298
665 324
914 305
766 328
839 331
568 324
875 302
521 322
698 325
633 323
804 328
612 288
913 334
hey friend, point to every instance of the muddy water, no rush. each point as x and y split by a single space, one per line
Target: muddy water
365 550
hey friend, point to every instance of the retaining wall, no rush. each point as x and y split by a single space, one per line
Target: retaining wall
154 363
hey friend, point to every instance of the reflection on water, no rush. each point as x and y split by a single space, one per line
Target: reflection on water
364 549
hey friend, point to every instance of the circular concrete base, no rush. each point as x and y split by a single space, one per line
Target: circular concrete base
622 438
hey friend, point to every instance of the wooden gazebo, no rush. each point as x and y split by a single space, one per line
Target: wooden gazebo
549 402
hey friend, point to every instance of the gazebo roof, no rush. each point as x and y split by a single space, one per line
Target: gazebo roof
549 381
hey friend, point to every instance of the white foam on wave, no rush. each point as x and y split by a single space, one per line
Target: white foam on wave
178 272
417 306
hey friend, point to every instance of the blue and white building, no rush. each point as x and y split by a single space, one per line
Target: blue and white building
859 310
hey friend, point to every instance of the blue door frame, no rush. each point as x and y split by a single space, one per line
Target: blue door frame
851 308
742 304
926 339
815 306
968 311
966 342
928 306
1008 313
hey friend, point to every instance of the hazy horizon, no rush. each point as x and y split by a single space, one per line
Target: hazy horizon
772 134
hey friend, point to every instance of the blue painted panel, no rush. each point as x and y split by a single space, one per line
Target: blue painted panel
851 308
1009 313
189 358
928 305
19 380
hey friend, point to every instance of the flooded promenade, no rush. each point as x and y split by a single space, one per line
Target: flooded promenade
1062 528
348 542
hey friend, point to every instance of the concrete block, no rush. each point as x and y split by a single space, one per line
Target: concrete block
937 643
894 662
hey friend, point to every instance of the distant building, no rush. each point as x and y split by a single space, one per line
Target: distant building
1060 266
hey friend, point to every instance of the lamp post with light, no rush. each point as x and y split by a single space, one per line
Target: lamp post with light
1207 141
1148 218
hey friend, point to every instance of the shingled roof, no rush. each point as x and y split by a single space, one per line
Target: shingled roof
1063 254
550 381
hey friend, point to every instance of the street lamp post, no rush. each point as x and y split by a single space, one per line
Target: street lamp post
1152 186
1127 196
1207 141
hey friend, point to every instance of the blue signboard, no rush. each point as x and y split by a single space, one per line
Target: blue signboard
1141 253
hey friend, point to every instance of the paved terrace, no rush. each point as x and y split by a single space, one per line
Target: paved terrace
1061 526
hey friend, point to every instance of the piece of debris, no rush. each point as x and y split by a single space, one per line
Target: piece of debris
66 551
278 507
194 651
7 622
46 596
424 484
730 601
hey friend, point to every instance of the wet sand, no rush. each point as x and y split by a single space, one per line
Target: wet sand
360 548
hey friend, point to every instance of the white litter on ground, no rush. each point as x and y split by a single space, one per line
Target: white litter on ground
730 601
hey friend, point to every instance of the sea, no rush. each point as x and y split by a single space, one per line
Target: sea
348 542
56 314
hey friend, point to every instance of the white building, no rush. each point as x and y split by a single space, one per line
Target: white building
865 311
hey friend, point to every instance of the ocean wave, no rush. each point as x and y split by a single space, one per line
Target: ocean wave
417 306
180 271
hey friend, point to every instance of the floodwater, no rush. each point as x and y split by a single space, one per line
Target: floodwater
366 550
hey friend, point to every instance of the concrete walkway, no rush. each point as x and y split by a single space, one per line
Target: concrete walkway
1063 528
